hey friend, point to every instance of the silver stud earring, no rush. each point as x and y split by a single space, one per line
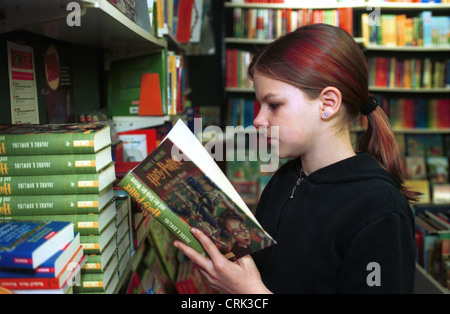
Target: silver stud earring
326 114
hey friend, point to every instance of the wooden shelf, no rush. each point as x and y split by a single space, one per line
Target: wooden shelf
409 90
410 131
345 4
372 47
102 26
126 123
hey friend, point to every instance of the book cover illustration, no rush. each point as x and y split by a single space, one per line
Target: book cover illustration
196 198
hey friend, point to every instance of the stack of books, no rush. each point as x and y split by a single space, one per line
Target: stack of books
62 172
39 256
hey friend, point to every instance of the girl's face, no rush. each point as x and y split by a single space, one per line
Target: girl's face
239 232
287 108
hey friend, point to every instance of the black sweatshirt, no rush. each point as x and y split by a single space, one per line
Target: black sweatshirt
348 229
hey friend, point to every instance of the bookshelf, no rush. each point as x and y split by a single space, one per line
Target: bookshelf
104 37
245 40
108 28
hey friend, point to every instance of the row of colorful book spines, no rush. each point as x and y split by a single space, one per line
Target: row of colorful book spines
242 111
408 73
401 31
418 1
417 113
237 62
257 1
272 23
294 1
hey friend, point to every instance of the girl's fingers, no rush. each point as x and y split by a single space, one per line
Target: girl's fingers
193 255
211 249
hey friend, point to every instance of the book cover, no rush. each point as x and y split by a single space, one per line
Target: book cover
422 186
137 144
125 78
58 184
437 169
55 164
181 185
27 244
54 139
416 167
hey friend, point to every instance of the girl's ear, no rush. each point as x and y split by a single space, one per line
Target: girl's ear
331 101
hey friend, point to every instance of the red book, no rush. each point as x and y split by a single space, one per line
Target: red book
443 113
183 33
407 106
150 101
346 19
381 71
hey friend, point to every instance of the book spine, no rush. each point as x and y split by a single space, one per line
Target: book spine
49 204
29 283
84 224
47 144
47 165
49 185
159 210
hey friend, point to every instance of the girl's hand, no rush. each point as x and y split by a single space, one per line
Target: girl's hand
224 275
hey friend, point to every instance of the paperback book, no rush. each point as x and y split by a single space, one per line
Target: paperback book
181 186
28 244
33 282
26 165
51 268
58 184
59 204
54 139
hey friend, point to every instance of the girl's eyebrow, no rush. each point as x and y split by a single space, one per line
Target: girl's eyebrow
269 95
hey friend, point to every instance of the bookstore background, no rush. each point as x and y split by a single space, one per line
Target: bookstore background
131 69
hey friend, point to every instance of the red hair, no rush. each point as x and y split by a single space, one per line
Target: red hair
320 55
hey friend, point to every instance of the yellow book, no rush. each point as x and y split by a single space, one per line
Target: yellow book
388 25
365 28
422 186
400 30
172 103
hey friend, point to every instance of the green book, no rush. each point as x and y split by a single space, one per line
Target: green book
55 164
24 205
124 82
54 139
98 282
96 263
182 186
58 184
85 224
99 243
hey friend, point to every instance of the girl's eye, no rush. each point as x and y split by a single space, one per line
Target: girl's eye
273 106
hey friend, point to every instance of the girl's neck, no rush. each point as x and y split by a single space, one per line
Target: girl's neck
327 152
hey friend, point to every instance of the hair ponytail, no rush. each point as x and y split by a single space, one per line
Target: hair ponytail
379 141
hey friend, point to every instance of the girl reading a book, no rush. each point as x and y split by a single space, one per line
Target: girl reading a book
341 218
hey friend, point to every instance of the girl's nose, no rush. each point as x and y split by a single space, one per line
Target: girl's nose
260 119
